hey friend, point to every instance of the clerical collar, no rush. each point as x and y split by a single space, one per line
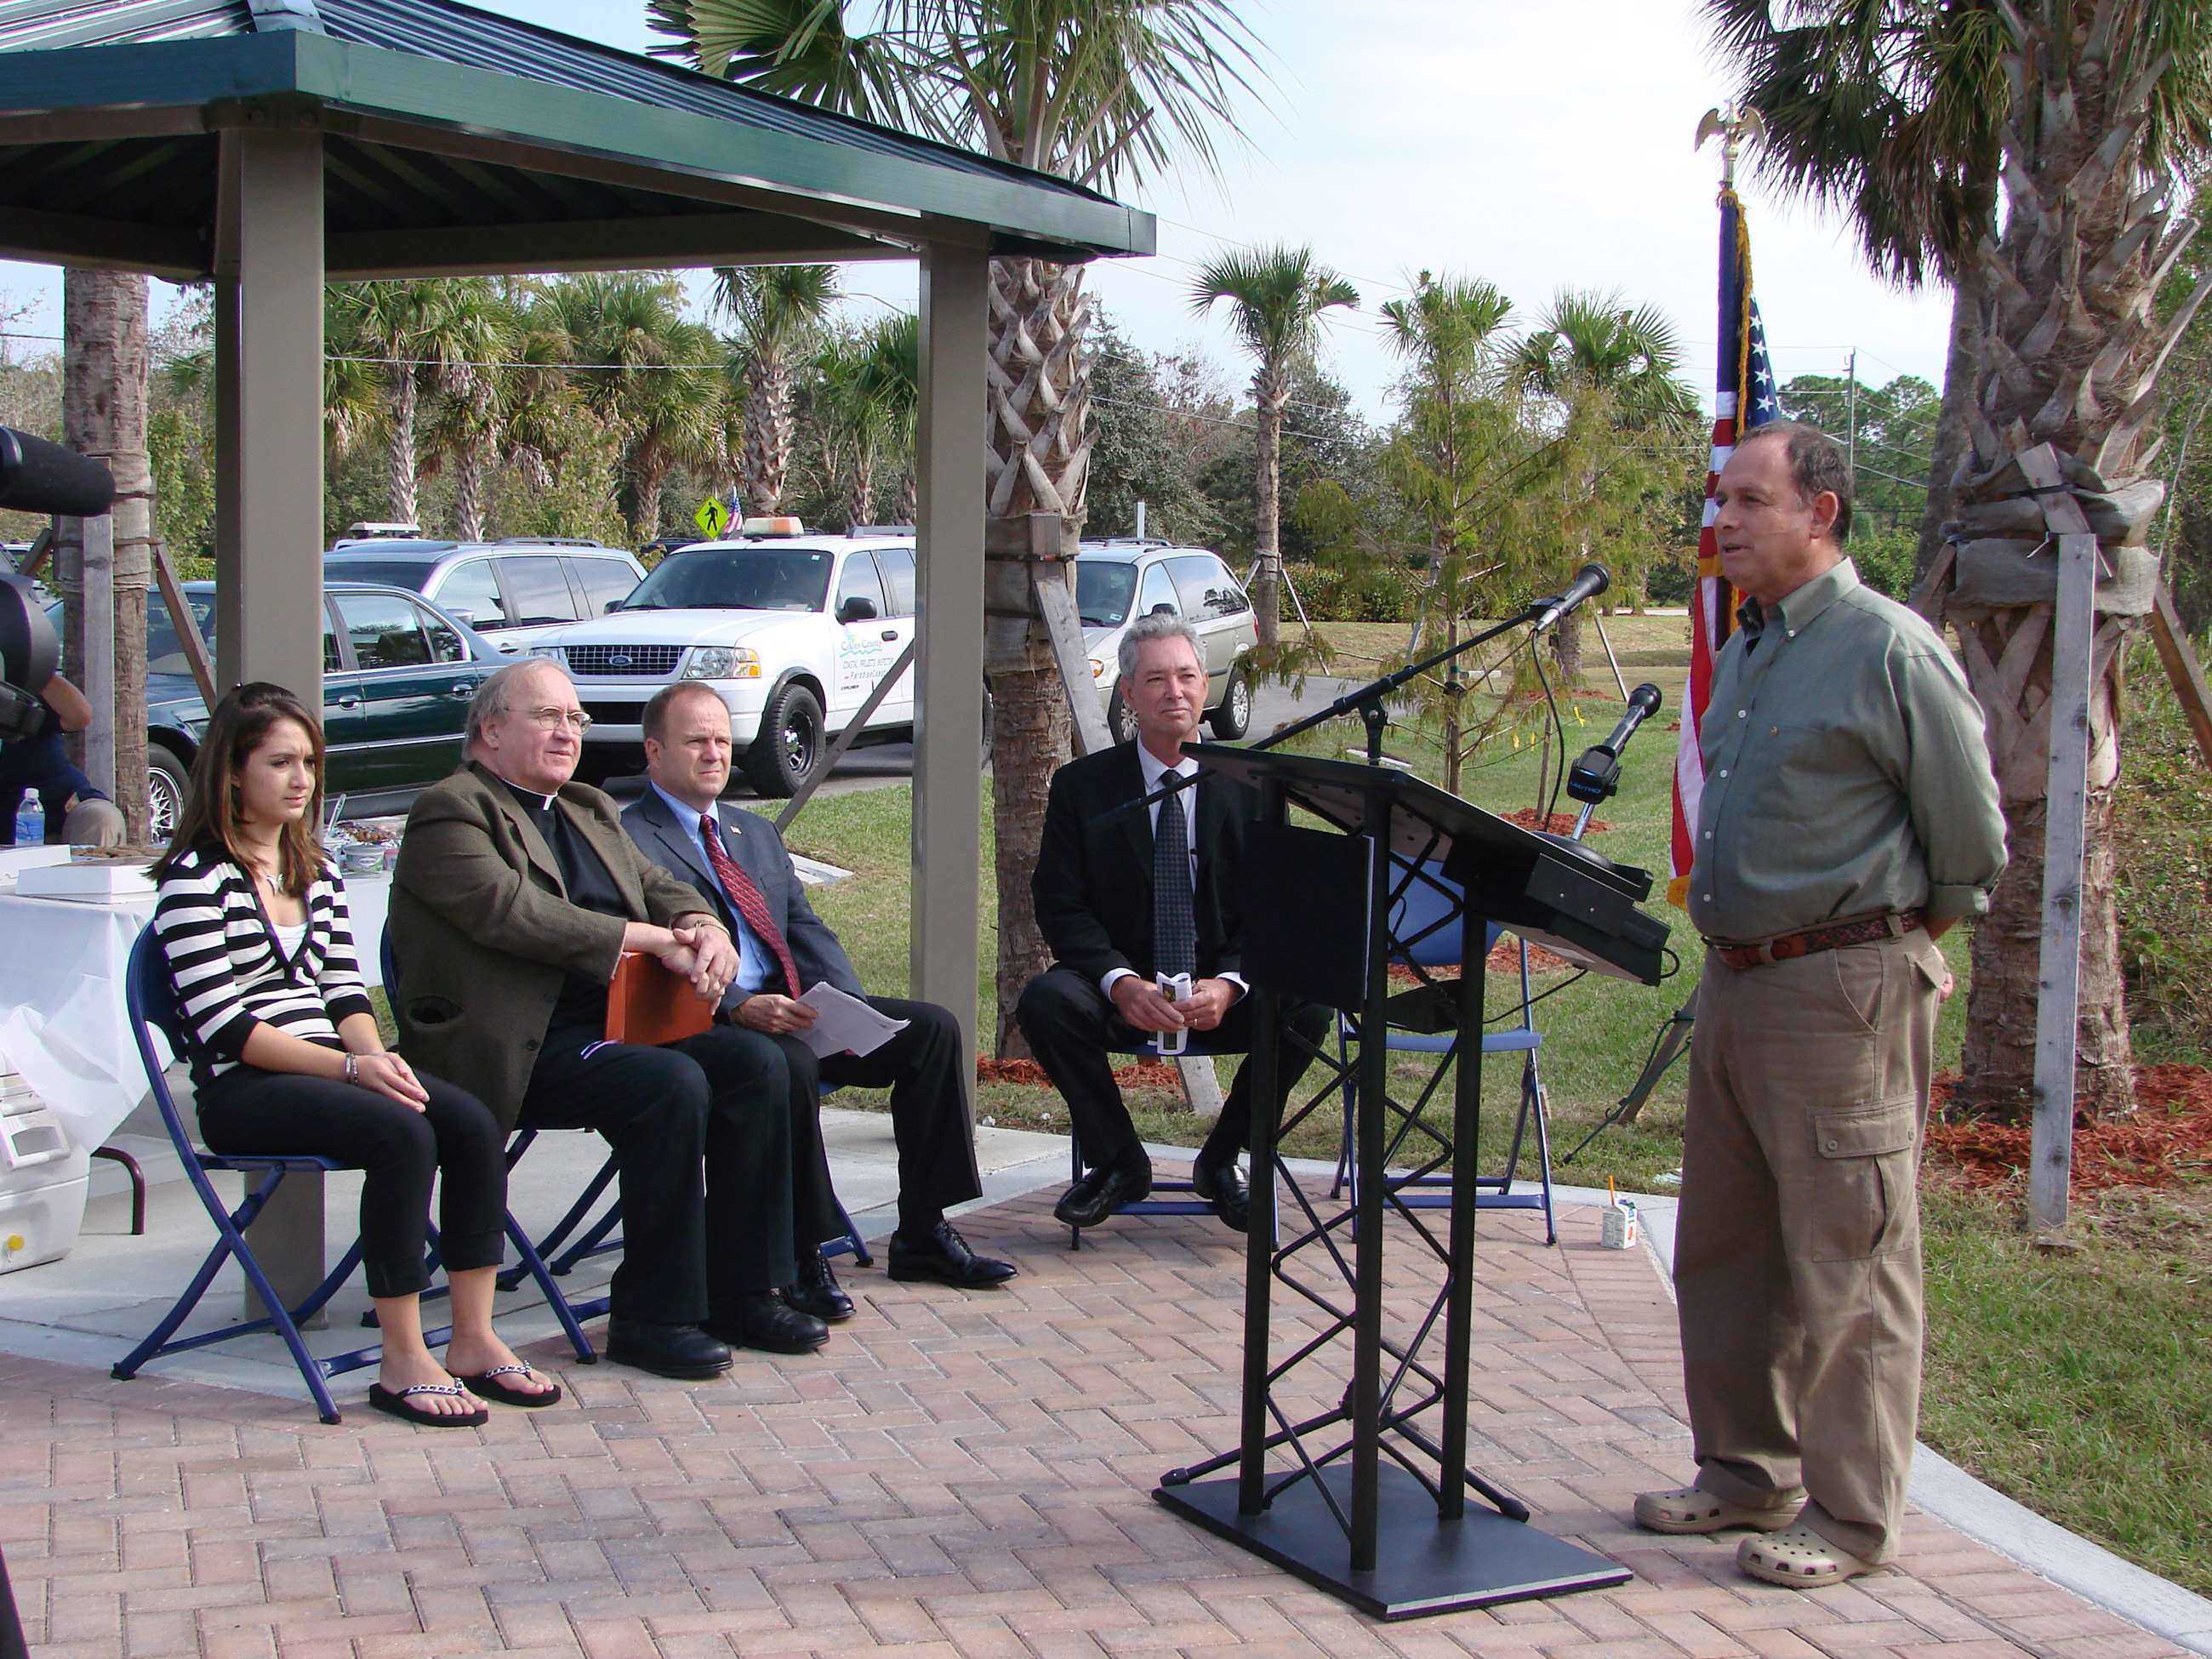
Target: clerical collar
532 801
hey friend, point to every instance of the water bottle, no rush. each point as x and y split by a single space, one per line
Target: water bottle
31 821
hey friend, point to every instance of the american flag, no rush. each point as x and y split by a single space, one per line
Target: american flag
1745 388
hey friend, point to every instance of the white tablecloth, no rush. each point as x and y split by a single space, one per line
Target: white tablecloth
62 1020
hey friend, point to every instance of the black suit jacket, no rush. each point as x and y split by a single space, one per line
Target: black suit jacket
1093 881
759 851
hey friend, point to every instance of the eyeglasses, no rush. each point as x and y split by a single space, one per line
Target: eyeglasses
550 719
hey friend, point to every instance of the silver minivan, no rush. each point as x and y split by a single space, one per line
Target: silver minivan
513 591
1118 581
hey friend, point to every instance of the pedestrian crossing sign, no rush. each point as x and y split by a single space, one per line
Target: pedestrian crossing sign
711 517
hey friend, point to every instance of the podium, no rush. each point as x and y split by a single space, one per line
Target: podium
1368 1498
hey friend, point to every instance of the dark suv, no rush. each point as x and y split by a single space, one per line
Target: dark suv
513 591
398 676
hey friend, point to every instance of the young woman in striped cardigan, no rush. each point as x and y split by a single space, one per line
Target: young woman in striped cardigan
286 1056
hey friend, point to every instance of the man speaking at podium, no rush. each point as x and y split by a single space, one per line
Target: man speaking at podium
1849 819
1125 896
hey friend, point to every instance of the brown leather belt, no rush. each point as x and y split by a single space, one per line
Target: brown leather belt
1829 936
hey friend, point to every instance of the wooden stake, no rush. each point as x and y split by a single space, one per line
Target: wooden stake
187 624
2183 669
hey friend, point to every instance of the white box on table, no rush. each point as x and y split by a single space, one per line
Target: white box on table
98 881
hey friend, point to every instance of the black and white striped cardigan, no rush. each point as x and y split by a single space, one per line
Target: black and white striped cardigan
230 972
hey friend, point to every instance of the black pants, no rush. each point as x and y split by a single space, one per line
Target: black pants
687 1253
1072 1029
921 1066
400 1149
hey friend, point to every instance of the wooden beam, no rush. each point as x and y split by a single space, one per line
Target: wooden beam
2182 667
187 624
1056 605
97 244
2065 823
674 239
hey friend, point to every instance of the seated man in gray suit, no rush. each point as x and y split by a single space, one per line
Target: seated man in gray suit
738 861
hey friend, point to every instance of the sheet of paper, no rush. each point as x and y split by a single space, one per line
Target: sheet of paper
844 1024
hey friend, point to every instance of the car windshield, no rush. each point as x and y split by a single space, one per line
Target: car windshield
737 579
164 652
1103 588
409 573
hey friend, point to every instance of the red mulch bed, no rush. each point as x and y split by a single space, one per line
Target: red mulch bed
2167 1140
1139 1074
1560 824
1505 958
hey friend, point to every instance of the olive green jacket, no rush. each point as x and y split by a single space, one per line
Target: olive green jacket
483 933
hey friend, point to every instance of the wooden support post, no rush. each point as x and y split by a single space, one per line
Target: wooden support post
805 791
2057 1009
99 686
187 624
2184 670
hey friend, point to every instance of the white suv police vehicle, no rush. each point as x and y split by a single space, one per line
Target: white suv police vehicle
793 631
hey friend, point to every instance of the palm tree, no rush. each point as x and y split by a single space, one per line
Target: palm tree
779 311
471 332
1103 92
2095 218
852 430
891 370
1612 373
1277 296
648 374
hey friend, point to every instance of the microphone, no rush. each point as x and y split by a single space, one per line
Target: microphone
37 477
1596 776
1593 580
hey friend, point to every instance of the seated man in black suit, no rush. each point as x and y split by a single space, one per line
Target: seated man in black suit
1112 926
784 951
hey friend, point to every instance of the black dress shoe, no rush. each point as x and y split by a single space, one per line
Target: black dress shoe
818 1292
1222 1184
944 1256
679 1351
1102 1192
762 1321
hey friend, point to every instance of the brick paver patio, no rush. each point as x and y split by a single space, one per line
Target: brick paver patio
951 1476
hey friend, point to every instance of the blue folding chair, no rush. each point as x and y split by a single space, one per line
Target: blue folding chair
1192 1204
149 997
1424 922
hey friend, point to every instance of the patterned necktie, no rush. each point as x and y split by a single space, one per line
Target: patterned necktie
748 899
1175 926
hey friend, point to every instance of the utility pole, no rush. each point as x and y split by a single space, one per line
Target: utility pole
1852 420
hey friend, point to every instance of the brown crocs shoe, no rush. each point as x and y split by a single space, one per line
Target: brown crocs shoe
1799 1558
1688 1510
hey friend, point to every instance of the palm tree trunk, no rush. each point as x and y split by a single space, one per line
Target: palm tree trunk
770 429
1271 391
400 467
104 416
910 499
860 488
647 480
1961 366
469 492
2071 346
1038 433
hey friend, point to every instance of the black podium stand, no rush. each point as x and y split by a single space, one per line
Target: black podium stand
1354 1509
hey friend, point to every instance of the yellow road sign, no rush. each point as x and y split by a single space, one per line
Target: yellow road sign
711 517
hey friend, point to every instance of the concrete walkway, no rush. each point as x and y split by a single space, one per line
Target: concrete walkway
952 1475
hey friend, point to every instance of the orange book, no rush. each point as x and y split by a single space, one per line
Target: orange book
647 1004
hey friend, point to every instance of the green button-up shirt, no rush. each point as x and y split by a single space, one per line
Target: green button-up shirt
1845 770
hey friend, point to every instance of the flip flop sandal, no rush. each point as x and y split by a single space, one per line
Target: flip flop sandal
1799 1558
1692 1509
385 1400
486 1385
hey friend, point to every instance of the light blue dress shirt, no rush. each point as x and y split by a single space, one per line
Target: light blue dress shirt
755 966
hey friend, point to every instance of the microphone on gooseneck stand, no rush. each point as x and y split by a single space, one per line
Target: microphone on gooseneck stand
1596 775
1592 580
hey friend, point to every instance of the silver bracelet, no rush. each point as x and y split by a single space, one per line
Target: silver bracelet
352 1070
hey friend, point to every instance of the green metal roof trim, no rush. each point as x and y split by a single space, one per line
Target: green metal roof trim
445 65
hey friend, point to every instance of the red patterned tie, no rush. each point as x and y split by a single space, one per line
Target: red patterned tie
748 899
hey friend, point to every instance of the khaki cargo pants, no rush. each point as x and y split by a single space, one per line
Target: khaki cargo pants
1797 1246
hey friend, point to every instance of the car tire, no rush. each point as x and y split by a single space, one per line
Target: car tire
1234 718
168 777
1121 723
790 745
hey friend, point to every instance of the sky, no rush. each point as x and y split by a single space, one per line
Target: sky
1475 136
